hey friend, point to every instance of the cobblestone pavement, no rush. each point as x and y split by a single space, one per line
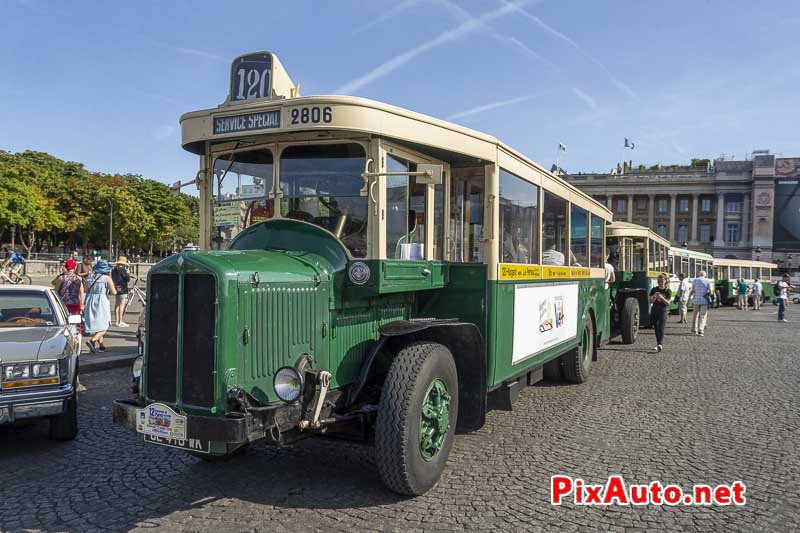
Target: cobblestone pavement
706 410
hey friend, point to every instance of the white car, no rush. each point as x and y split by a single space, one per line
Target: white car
39 348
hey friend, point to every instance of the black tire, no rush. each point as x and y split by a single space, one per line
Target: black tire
397 430
552 370
65 425
577 362
629 320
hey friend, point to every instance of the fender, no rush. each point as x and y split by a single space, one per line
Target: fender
464 341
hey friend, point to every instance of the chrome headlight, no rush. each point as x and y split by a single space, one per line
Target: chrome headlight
44 369
138 363
12 372
288 384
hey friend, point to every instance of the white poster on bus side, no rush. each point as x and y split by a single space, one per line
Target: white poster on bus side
544 315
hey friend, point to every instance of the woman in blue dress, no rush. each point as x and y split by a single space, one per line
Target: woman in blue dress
97 310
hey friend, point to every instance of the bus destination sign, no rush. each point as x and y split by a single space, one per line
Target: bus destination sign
262 120
251 77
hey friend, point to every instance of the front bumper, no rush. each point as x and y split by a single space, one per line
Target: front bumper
224 433
19 405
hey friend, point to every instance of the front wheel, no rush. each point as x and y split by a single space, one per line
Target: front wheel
65 425
416 418
577 362
21 279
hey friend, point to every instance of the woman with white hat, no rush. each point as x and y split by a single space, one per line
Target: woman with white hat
121 279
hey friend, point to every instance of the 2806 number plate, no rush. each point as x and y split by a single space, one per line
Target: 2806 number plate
310 115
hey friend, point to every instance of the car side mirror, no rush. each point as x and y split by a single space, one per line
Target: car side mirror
74 320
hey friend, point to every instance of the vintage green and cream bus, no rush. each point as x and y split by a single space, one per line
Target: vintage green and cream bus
366 271
689 263
638 255
727 273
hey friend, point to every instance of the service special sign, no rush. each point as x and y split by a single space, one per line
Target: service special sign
261 120
544 315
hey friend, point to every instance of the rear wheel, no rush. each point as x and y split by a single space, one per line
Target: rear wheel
577 362
417 418
65 425
21 279
630 320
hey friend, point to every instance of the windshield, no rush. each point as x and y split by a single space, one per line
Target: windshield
322 185
25 309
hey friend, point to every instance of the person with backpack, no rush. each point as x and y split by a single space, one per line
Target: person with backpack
13 263
782 288
69 287
702 296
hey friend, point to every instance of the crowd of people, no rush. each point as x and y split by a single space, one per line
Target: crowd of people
702 293
86 288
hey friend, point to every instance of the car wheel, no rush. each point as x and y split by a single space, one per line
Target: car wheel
65 425
417 418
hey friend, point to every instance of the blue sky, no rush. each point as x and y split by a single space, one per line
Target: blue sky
104 83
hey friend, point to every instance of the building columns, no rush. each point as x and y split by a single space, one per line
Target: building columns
610 202
695 208
719 235
744 239
630 208
651 211
673 198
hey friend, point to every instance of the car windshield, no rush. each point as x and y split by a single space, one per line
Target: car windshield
25 309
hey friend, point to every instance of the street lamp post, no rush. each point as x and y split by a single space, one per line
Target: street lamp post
758 253
789 263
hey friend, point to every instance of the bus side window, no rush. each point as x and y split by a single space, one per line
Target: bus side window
579 223
596 243
519 204
467 186
554 230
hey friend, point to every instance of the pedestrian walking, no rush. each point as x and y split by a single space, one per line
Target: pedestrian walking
97 308
782 294
701 299
683 297
84 269
660 296
121 279
743 288
69 287
757 292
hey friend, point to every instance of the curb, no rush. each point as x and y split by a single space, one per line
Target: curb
88 364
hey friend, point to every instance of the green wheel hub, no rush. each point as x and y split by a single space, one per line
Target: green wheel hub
434 422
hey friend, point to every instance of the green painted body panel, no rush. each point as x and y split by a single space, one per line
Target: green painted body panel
275 304
592 296
728 290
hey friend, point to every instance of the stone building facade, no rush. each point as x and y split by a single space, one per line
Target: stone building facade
727 208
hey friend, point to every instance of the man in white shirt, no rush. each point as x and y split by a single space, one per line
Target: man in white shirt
683 291
700 293
757 290
783 287
611 275
551 256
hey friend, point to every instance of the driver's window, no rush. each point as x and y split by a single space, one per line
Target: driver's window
322 185
405 212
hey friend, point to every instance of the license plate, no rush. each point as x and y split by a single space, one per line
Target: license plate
194 445
159 420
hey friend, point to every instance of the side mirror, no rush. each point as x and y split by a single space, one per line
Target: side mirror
74 320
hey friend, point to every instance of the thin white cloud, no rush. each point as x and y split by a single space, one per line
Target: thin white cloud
619 84
387 15
453 34
494 105
588 100
529 51
190 51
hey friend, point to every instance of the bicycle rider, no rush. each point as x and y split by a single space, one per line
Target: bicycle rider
13 262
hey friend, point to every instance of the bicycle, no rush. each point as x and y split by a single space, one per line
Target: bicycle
135 293
14 278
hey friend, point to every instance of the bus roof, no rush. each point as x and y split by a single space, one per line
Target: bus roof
350 113
685 252
744 263
627 229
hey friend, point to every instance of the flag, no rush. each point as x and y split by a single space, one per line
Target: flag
629 143
562 148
